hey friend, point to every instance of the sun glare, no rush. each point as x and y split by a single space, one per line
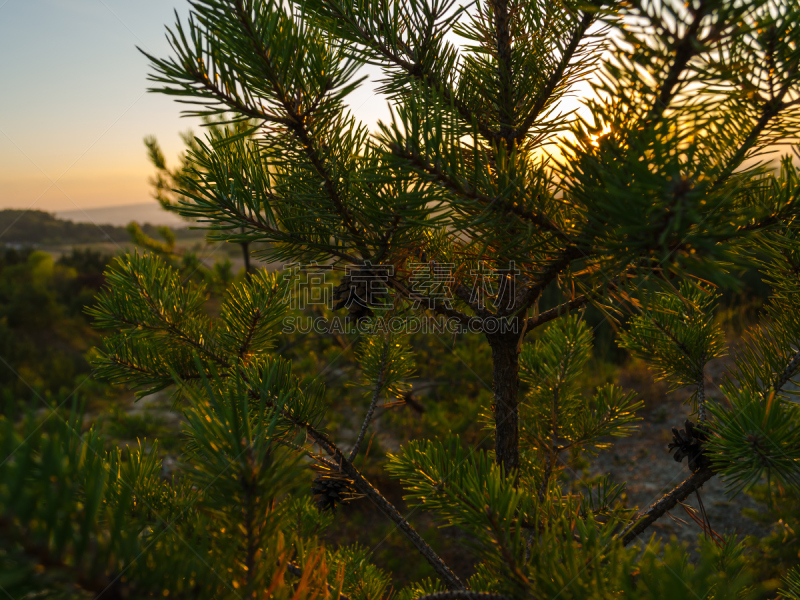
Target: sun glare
594 138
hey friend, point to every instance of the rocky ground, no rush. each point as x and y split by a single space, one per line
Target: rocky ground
650 471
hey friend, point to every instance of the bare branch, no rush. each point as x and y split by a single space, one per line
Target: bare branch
376 394
701 397
550 272
556 312
449 578
667 502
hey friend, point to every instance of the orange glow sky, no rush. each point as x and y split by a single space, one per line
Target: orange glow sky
74 104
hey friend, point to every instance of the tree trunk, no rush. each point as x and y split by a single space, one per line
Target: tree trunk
505 361
246 253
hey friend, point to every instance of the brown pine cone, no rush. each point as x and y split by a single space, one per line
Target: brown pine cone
688 443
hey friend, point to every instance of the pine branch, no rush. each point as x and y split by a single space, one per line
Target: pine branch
297 125
463 595
764 223
368 418
168 375
788 373
496 529
549 274
468 116
551 458
555 78
251 537
507 555
242 217
416 71
686 49
174 330
504 75
555 408
249 334
769 111
438 307
465 191
200 77
365 487
666 503
307 452
110 588
566 307
449 578
464 294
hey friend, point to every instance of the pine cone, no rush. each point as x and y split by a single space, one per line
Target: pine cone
689 443
331 488
357 296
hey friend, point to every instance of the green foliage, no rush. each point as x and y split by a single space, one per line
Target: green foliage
162 325
776 553
123 425
386 363
571 556
758 434
169 185
768 361
555 415
658 182
107 521
677 335
468 489
755 433
142 239
721 572
792 585
667 171
757 437
44 336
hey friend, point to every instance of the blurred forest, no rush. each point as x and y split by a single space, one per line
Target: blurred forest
37 228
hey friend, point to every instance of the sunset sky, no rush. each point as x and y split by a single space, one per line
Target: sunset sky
74 104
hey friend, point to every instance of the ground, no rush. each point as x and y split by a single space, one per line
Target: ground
650 471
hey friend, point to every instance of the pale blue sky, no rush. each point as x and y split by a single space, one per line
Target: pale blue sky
73 105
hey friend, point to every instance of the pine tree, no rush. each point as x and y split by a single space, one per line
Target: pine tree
168 183
654 201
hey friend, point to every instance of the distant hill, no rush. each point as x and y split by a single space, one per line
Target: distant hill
39 228
146 212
